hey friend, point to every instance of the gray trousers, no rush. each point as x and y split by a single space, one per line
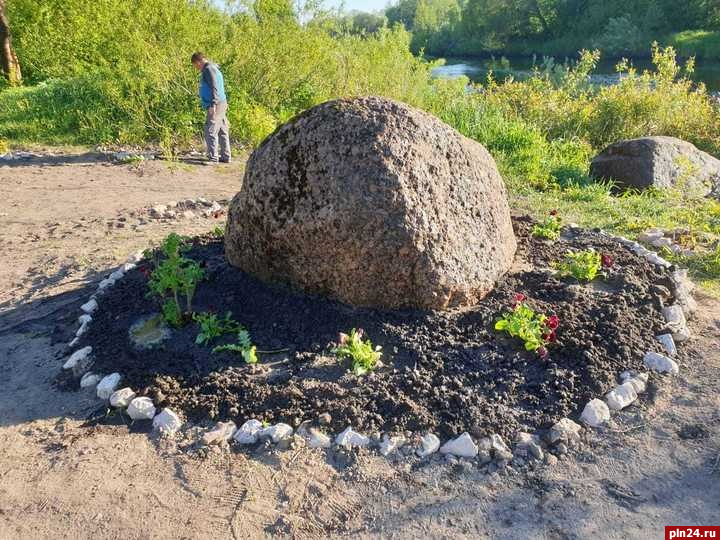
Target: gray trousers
217 127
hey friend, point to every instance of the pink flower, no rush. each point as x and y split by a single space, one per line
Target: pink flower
543 352
607 260
552 322
360 333
343 338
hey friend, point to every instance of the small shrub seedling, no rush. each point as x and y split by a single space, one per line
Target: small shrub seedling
173 276
364 356
582 265
212 326
243 346
536 330
549 228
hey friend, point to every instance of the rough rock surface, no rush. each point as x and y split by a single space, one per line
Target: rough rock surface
374 203
659 162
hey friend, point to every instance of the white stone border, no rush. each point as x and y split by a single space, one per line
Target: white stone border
565 432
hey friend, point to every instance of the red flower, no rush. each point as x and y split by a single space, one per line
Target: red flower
552 337
553 212
144 271
519 297
607 260
552 322
543 352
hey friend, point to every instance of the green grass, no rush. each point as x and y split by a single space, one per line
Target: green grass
703 44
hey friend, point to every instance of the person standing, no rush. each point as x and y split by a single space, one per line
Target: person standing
214 101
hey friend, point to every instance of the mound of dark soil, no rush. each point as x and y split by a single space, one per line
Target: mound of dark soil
446 371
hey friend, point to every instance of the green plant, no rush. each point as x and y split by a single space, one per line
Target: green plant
534 329
212 326
218 231
549 228
363 355
173 276
582 265
244 346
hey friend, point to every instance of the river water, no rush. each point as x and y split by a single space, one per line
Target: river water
477 70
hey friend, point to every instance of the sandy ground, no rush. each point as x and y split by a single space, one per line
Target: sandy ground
657 464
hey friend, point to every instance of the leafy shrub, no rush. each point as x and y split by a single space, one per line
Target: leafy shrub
173 276
212 327
363 355
582 265
549 228
534 329
620 36
244 347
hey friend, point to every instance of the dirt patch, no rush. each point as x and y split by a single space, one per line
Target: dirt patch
445 371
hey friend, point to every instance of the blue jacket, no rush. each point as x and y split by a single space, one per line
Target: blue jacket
212 86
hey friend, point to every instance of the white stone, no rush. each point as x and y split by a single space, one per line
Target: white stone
500 449
167 422
222 432
276 433
90 306
74 343
564 430
89 380
317 439
85 319
108 385
117 274
81 331
677 323
127 267
141 408
136 257
122 398
661 363
668 343
105 283
657 260
248 433
391 444
621 396
595 413
651 235
429 445
528 444
662 243
76 358
461 446
638 384
352 439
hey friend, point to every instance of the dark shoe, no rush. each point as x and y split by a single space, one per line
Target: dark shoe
227 161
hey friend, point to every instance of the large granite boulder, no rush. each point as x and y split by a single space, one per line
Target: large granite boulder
374 203
660 162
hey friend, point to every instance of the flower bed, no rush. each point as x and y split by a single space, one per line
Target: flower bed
448 372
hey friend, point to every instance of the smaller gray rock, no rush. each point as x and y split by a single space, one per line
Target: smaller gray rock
221 433
325 419
499 448
595 413
78 357
352 439
89 380
391 444
122 398
461 446
668 343
249 432
429 444
108 385
564 430
84 319
621 396
661 363
675 318
528 445
141 408
167 422
90 306
276 433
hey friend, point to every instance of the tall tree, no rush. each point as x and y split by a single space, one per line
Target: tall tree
8 60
